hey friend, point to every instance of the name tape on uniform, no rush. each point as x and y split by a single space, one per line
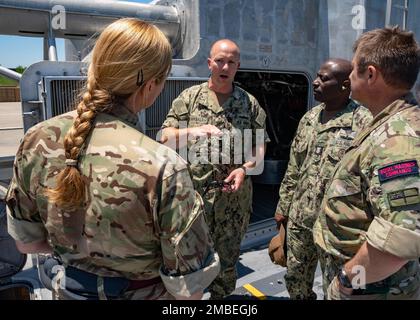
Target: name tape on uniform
398 170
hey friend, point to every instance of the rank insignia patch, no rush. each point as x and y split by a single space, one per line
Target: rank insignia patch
398 170
404 197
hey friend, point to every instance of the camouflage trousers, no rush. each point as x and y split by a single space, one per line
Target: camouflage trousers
329 269
302 259
227 215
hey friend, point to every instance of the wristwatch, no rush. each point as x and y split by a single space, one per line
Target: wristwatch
344 279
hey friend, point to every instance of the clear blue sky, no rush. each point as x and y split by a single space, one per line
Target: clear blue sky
24 51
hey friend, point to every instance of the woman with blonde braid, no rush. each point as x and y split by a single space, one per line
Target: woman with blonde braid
116 208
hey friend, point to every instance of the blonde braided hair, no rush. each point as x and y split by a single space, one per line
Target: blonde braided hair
124 47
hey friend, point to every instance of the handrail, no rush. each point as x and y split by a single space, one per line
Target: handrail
10 73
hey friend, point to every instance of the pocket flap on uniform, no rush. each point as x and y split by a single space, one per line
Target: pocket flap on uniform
180 107
260 119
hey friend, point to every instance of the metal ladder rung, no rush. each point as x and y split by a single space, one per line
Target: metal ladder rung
388 13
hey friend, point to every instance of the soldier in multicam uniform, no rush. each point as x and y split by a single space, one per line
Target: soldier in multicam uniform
323 135
207 109
103 197
371 221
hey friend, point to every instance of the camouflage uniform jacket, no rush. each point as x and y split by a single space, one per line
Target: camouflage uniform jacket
119 231
374 193
197 106
315 151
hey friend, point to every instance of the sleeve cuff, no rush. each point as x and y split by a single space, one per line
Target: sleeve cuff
396 240
25 231
281 211
318 237
197 281
170 124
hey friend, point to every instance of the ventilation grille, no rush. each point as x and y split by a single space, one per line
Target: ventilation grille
156 114
64 96
63 93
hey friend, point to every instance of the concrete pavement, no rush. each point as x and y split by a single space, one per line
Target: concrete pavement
11 128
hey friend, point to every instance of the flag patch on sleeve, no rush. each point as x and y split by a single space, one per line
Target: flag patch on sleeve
398 170
404 197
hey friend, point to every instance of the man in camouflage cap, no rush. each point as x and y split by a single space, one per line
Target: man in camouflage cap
371 221
323 135
211 109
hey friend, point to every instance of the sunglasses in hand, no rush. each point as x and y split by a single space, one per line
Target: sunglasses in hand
217 185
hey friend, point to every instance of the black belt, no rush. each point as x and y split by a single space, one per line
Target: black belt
380 287
387 285
140 284
86 284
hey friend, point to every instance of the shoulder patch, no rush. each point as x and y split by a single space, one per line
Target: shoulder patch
180 107
398 170
404 197
260 120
